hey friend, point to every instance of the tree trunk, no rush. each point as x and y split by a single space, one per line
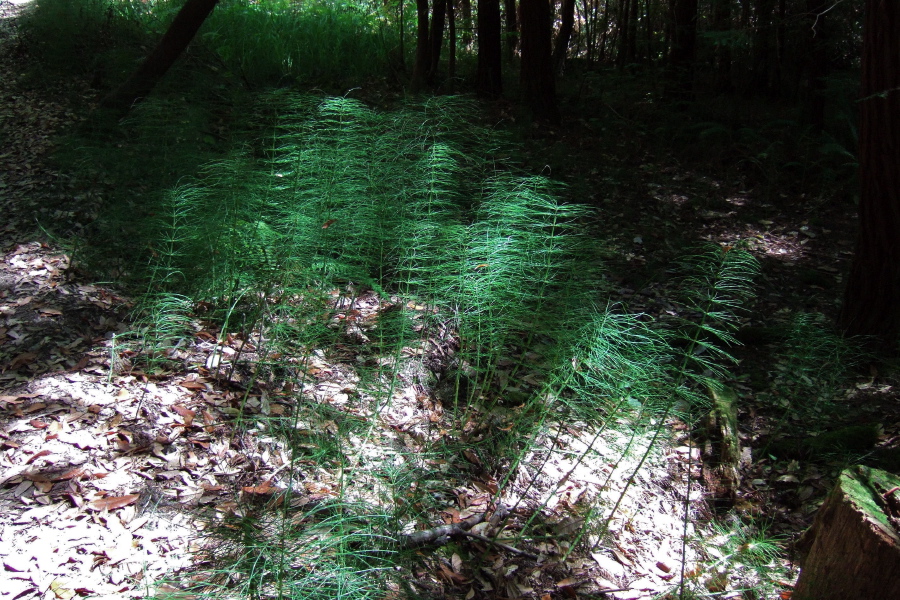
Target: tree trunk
538 82
872 297
631 48
855 549
176 39
451 52
817 66
684 45
721 24
760 80
488 82
423 48
567 23
622 29
466 22
436 38
512 29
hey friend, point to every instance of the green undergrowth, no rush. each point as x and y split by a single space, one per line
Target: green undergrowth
356 267
253 44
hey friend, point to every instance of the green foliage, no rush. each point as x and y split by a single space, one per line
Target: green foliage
328 42
279 240
743 557
260 44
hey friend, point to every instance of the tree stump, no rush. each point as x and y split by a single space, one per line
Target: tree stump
722 448
855 546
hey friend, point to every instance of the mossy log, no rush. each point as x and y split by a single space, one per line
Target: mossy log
722 447
855 546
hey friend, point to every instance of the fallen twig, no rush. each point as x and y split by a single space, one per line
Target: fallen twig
500 544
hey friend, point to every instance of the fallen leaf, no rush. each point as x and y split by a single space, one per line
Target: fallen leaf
261 489
113 502
37 456
22 359
185 413
59 588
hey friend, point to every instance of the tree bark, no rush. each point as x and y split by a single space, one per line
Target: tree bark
683 50
762 47
566 25
451 50
622 30
423 48
176 39
436 37
466 22
817 65
872 297
488 81
855 549
538 81
721 24
512 29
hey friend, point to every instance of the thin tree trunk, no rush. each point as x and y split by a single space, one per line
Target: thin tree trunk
436 37
817 66
762 67
872 297
538 82
488 81
622 29
631 49
176 39
567 23
684 44
512 29
466 22
721 24
451 54
423 48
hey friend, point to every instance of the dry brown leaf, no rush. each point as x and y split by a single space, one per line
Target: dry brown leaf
185 413
113 502
192 385
262 489
75 473
22 359
37 456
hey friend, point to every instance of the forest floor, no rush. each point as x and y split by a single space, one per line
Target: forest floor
108 475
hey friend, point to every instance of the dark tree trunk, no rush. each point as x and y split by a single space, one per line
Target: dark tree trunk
423 48
721 24
176 39
817 67
488 80
780 44
631 48
872 298
622 31
512 29
436 37
683 50
600 52
538 82
466 22
451 52
567 23
762 47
